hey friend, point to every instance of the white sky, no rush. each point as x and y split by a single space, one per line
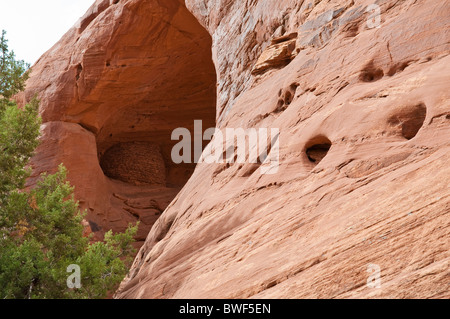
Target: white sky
34 26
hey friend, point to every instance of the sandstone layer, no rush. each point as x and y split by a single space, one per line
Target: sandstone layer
362 103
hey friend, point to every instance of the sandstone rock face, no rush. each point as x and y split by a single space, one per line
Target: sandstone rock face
364 158
363 108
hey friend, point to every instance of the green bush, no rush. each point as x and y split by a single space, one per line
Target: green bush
40 230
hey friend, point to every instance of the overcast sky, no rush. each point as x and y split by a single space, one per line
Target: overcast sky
34 26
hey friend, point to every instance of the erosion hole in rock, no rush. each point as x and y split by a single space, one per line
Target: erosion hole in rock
317 148
397 68
409 120
371 73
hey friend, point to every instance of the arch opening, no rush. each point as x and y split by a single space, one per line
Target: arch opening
157 75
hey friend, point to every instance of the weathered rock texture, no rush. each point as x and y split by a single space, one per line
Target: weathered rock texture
364 119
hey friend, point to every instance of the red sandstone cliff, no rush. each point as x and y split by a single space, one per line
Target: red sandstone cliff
364 119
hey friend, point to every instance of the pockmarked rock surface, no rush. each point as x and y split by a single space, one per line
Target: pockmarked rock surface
359 91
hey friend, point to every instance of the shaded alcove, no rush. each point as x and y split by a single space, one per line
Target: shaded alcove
174 85
156 75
